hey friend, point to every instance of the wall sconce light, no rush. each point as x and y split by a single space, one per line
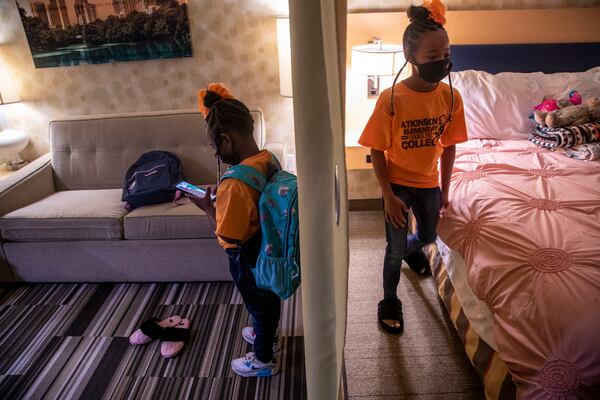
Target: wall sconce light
375 60
11 141
284 51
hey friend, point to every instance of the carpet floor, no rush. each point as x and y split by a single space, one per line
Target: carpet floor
70 341
427 361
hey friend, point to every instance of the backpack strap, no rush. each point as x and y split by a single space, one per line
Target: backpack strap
252 177
276 162
248 175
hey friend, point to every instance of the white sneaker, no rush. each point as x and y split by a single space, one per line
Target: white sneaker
250 366
249 336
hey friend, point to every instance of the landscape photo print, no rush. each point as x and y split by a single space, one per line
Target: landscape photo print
73 32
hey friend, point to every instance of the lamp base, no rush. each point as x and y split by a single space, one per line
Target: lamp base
373 87
16 165
11 143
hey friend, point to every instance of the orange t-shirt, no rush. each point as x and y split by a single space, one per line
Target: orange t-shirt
237 204
411 139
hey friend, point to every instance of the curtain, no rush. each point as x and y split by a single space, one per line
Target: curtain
318 41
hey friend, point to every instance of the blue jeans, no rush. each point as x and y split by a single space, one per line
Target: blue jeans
425 205
264 306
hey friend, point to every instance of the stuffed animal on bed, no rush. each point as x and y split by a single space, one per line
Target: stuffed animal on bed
568 116
594 108
549 105
589 111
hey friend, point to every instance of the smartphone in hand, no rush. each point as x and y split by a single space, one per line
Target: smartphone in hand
193 190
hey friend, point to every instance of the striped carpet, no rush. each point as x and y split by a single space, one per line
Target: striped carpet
70 341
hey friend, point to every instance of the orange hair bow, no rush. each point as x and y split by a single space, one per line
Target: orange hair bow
217 88
437 10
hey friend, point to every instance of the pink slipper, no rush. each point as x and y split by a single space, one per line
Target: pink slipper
152 329
173 339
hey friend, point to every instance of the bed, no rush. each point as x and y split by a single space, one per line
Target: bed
517 261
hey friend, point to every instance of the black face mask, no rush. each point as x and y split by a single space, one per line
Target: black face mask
232 159
434 71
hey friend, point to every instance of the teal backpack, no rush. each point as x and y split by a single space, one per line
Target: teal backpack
278 265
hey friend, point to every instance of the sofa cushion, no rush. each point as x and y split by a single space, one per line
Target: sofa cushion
95 151
168 221
67 215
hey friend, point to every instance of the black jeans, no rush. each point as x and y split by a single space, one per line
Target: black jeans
425 205
264 306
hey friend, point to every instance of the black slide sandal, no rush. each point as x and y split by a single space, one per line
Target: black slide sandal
175 335
418 262
151 328
390 309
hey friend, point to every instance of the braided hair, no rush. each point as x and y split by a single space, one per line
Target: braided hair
224 113
421 20
426 18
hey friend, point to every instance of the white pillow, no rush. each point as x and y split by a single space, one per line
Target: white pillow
498 106
557 86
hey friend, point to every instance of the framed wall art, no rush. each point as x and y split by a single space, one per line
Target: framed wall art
73 32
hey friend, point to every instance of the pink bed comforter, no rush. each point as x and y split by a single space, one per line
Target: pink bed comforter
527 223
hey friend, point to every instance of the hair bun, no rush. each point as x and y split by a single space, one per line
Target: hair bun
208 97
431 11
437 11
418 14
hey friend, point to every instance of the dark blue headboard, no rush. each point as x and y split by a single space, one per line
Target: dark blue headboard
548 58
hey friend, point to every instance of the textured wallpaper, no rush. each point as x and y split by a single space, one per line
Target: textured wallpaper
369 5
234 41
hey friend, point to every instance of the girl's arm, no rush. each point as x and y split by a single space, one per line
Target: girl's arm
394 206
206 205
380 167
446 165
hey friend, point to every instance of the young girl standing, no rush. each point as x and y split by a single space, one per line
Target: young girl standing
237 223
415 124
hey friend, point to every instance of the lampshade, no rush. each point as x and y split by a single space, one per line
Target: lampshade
8 90
377 59
285 56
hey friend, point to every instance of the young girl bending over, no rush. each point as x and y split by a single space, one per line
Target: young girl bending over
235 218
415 123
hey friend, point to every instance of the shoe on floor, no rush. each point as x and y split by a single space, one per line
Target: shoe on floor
152 329
418 262
249 366
173 339
389 315
249 336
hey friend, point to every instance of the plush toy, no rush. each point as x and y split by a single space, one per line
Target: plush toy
575 98
568 116
549 105
575 115
593 104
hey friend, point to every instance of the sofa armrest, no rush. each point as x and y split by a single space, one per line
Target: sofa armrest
31 183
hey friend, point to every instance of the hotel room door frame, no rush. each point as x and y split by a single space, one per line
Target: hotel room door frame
318 41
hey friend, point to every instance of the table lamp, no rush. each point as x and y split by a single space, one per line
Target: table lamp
375 60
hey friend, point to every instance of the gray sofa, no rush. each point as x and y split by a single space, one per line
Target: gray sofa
63 219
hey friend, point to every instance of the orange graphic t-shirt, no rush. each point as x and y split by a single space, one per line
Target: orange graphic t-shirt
412 140
237 204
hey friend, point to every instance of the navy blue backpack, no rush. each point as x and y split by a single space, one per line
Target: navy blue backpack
152 179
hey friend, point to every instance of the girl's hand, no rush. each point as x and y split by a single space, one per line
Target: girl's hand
445 201
204 203
395 210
